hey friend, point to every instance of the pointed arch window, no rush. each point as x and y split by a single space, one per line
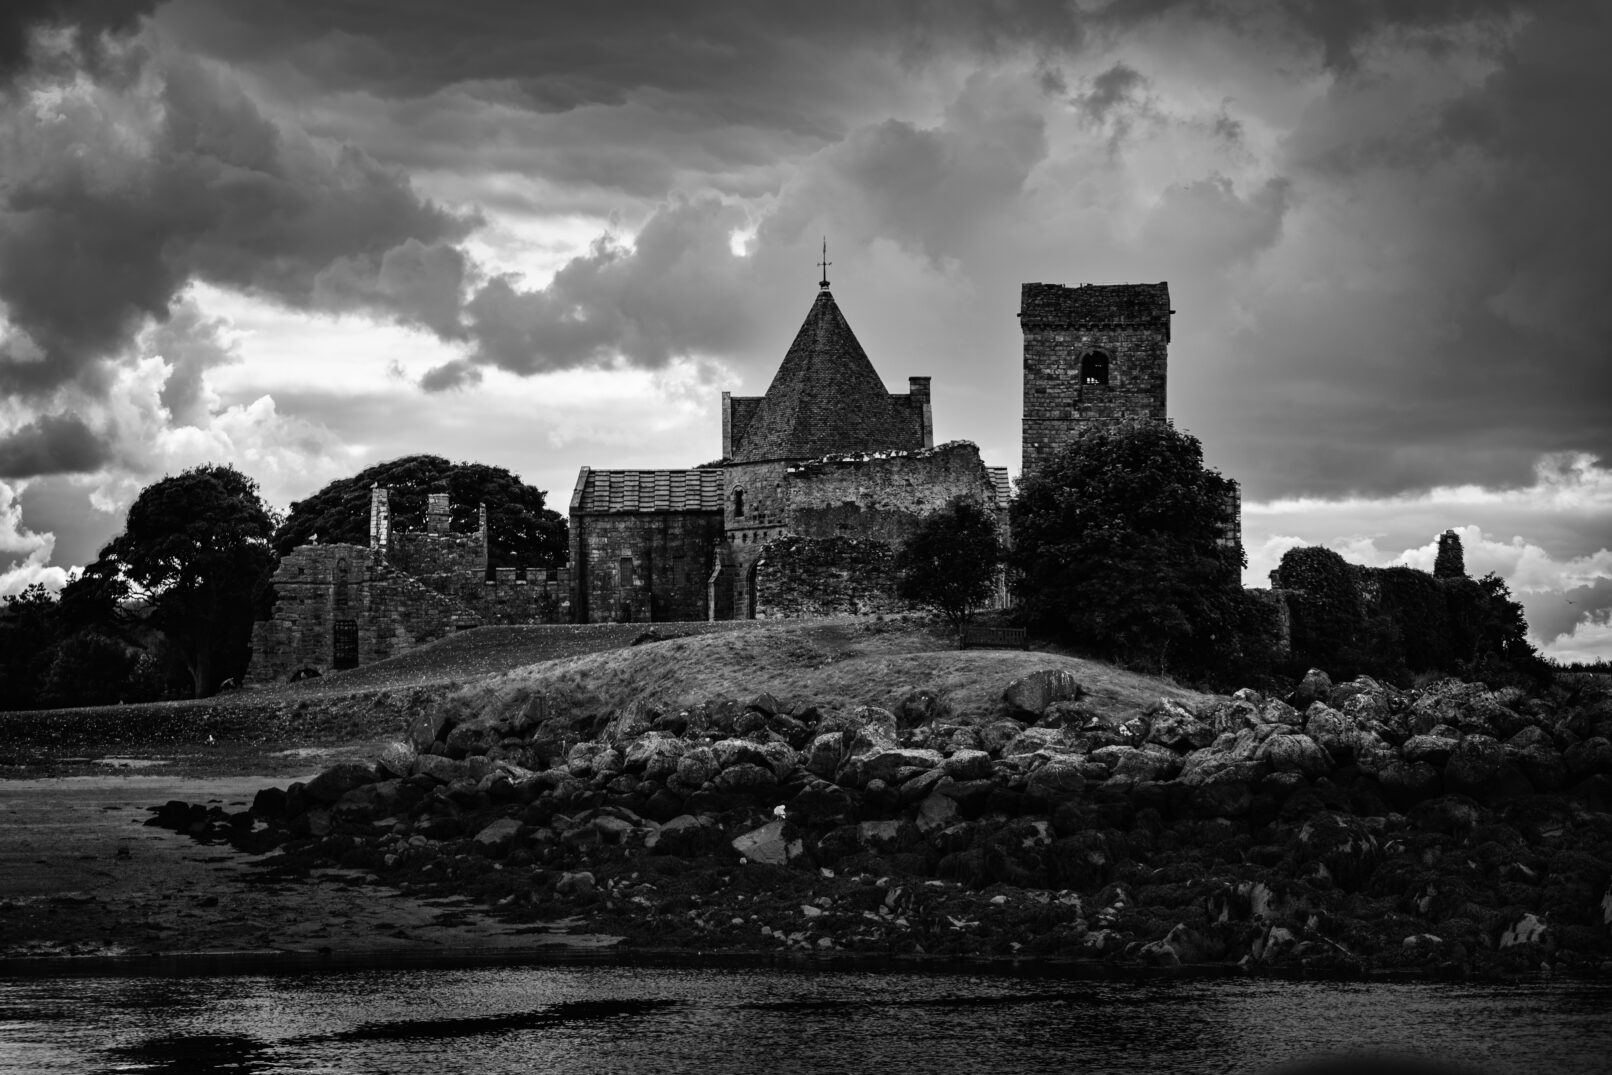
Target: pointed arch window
1094 368
738 503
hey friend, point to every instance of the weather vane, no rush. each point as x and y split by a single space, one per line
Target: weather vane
825 263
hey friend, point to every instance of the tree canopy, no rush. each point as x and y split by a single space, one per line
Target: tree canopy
1118 542
522 531
949 562
196 549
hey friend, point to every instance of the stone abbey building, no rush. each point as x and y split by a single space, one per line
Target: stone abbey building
820 479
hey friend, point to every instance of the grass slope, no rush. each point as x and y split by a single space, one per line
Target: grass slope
833 664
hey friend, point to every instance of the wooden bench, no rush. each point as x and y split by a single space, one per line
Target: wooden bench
993 638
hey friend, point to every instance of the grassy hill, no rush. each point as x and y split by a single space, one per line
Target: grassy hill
586 670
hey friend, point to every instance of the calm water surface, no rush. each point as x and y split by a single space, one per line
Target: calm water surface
712 1021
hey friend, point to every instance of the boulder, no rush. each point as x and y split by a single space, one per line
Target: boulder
1529 928
425 725
1296 753
731 752
577 883
1234 714
1035 741
936 812
1316 686
1433 749
1589 757
593 759
1036 691
1059 778
1475 762
746 778
824 754
1174 727
1134 765
398 758
697 766
497 838
477 735
872 727
770 844
884 765
1276 711
998 734
1336 734
687 836
337 781
967 765
654 756
1539 761
821 803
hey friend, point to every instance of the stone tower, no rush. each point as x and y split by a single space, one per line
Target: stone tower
1096 352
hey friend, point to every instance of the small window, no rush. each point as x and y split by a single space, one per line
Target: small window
626 571
738 503
1094 368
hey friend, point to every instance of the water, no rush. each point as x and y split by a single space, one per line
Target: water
606 1018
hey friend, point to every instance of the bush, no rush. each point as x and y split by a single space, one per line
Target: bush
949 563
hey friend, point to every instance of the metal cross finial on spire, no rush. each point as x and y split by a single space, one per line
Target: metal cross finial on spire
825 263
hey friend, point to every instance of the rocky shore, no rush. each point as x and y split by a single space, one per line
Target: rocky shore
1347 828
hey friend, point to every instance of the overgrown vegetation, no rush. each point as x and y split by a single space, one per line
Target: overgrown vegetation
1118 546
1396 623
522 531
949 563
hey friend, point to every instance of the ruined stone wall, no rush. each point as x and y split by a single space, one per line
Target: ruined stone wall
671 555
424 554
530 595
318 587
1128 324
800 577
882 496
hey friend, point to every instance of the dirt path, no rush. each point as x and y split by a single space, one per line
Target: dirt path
81 875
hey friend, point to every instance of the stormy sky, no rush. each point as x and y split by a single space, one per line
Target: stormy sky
302 238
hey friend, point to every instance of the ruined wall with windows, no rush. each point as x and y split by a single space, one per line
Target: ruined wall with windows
340 606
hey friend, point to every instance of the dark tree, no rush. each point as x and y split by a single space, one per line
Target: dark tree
949 563
29 627
1118 542
196 549
522 532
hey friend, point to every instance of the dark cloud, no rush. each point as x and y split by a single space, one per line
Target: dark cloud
119 197
459 373
21 19
61 506
51 444
1112 88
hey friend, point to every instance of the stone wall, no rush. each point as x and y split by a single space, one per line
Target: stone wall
882 496
1127 324
799 577
425 554
668 556
319 587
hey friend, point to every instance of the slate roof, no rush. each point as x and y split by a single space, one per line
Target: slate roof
826 398
647 490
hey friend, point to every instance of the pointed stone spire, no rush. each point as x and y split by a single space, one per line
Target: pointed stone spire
826 397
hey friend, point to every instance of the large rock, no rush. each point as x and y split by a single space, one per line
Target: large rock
1296 753
655 755
1589 757
1316 686
884 765
1433 749
998 734
1036 691
1058 778
1135 765
967 765
497 838
770 844
824 754
337 781
746 779
593 759
698 766
1177 729
872 728
1337 734
1342 844
1475 762
478 735
398 758
921 706
442 769
731 752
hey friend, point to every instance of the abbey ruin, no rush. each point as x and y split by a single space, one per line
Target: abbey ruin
819 480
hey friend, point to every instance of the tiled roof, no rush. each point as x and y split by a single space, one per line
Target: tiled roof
1004 485
826 398
647 490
